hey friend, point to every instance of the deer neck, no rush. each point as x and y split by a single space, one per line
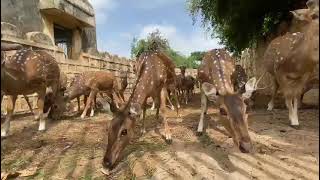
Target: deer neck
139 95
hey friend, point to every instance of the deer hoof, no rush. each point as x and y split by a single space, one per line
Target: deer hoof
297 127
199 133
270 107
172 108
82 116
143 131
169 141
36 117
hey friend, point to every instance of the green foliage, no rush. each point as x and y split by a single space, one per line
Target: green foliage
155 41
241 23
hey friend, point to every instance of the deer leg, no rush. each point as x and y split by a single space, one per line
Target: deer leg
175 97
153 104
171 105
89 103
28 102
274 92
290 103
143 130
78 101
93 106
40 103
10 108
163 110
204 108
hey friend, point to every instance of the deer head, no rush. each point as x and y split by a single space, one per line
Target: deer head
120 132
234 106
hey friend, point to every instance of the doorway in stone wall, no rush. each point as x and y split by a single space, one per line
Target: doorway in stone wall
63 39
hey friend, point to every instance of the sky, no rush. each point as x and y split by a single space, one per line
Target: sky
119 21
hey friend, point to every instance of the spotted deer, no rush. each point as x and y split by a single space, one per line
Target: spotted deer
155 73
28 72
155 100
214 74
291 59
93 82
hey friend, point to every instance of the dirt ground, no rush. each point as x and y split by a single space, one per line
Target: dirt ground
73 148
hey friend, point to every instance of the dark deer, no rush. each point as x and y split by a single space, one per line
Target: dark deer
291 59
28 72
214 75
155 73
93 82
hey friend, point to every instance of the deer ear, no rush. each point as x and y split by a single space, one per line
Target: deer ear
210 91
250 85
301 14
312 4
135 109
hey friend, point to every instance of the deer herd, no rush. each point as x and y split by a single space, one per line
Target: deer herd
290 59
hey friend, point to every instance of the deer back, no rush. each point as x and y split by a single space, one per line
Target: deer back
217 67
31 69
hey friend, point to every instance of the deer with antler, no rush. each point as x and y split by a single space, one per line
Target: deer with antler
214 74
28 72
93 82
291 59
154 74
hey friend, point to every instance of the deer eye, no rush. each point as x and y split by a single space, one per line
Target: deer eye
124 132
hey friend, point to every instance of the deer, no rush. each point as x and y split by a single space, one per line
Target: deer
123 82
28 72
10 47
155 72
214 74
155 101
290 59
93 82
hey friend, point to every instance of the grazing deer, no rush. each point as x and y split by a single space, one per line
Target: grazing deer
56 112
93 82
28 72
214 74
155 73
291 59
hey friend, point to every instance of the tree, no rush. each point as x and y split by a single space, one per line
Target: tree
155 41
242 23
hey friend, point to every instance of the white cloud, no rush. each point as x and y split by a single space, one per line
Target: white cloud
184 43
102 7
147 4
